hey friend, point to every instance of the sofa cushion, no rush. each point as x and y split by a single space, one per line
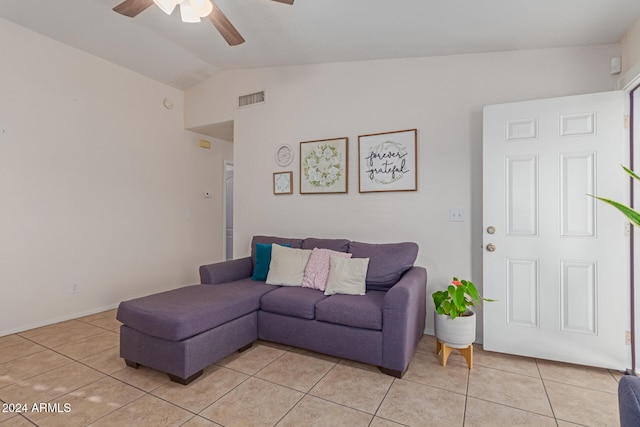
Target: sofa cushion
347 276
184 312
294 243
292 301
359 311
287 266
316 273
263 260
338 245
387 261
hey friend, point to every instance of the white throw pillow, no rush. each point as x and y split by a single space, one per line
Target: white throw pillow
287 266
347 276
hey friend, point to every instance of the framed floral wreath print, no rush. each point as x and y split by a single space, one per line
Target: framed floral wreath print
323 166
388 162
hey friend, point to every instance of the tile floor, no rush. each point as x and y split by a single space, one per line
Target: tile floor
74 367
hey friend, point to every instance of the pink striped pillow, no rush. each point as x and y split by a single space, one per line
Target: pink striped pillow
316 273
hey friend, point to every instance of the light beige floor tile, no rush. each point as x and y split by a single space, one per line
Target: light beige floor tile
51 329
10 413
252 360
381 422
322 356
297 371
19 349
254 403
581 376
16 421
314 412
506 388
567 424
10 339
145 412
427 344
88 404
30 366
616 374
107 361
74 332
479 412
108 314
110 324
414 404
426 368
583 405
212 385
198 421
51 384
353 387
505 362
144 378
94 344
360 365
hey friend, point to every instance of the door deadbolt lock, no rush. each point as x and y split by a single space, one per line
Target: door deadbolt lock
491 229
491 247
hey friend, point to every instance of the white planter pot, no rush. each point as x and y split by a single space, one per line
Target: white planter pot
457 333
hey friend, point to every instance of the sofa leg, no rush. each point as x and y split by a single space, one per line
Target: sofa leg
245 348
131 364
392 372
185 381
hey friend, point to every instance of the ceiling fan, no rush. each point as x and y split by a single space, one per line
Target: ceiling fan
191 11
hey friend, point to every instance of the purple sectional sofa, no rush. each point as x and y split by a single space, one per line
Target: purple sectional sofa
184 330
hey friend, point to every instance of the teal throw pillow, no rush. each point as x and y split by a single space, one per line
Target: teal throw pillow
263 260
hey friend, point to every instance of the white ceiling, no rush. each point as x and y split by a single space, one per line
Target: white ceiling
319 31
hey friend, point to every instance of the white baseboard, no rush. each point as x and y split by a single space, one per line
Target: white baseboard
57 320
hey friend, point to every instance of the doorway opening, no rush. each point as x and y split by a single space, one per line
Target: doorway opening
228 210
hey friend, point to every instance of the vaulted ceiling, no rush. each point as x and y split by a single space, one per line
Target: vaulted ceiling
319 31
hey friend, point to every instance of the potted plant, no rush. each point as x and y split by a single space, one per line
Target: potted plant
455 321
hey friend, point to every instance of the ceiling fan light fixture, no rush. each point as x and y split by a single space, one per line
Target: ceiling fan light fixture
202 7
167 6
187 13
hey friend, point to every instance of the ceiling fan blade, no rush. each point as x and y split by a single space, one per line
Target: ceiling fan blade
131 8
225 27
285 1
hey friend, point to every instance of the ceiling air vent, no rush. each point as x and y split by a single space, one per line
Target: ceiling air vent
251 99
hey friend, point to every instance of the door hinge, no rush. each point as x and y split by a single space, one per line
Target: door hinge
626 121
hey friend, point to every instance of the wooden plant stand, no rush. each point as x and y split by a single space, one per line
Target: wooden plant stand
466 352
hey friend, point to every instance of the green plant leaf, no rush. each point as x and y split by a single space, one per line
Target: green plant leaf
634 216
473 292
630 172
458 298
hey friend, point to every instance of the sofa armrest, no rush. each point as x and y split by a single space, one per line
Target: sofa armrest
226 271
629 401
403 319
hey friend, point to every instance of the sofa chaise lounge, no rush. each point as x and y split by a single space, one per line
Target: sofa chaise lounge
182 331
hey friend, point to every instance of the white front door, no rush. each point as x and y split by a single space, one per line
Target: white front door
554 258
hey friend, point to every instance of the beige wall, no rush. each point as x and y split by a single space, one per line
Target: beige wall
630 48
442 97
95 179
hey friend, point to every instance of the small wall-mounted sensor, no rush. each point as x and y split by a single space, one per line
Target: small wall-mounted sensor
168 104
205 144
615 66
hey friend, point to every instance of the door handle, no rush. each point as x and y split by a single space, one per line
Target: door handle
491 247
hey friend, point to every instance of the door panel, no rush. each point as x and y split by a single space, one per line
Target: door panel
559 269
